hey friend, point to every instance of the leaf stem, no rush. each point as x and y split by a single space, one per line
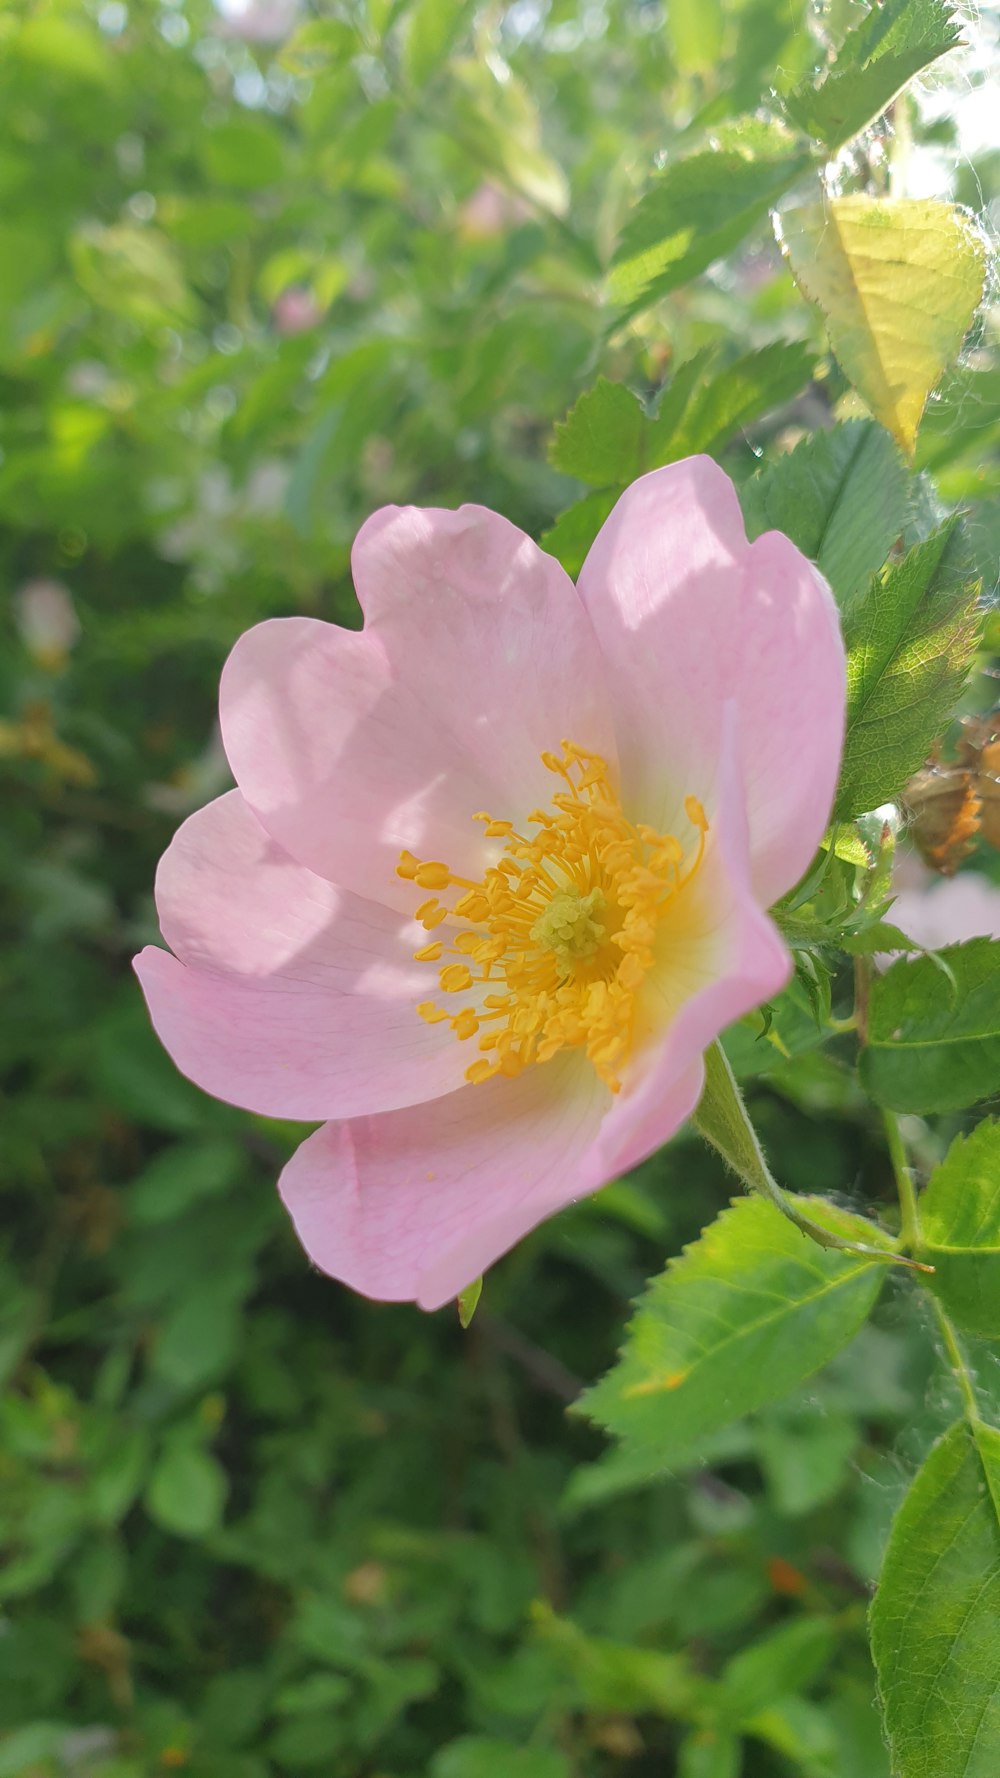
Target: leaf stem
909 1216
910 1235
722 1118
957 1360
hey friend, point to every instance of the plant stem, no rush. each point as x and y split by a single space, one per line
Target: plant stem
909 1217
722 1118
956 1358
910 1235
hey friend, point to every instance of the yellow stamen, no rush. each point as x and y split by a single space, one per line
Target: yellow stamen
562 927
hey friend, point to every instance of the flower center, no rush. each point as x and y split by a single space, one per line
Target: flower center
551 948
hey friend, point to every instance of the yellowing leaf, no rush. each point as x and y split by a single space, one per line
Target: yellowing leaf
898 281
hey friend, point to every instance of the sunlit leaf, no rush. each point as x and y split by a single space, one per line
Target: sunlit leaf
898 281
878 57
910 644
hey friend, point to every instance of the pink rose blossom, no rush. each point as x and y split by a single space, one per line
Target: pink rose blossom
496 870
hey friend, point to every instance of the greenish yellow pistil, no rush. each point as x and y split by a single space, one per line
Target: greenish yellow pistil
571 927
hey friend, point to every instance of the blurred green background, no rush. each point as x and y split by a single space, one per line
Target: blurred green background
260 272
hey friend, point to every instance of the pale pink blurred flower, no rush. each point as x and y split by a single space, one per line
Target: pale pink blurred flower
259 21
47 621
491 211
621 777
947 911
296 310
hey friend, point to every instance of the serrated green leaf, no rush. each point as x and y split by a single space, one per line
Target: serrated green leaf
841 495
744 1314
960 1230
935 1620
700 208
898 281
884 51
909 648
574 531
732 399
933 1032
601 439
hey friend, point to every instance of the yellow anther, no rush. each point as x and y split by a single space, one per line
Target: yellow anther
454 977
562 929
432 876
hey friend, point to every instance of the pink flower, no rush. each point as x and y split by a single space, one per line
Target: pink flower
495 873
945 911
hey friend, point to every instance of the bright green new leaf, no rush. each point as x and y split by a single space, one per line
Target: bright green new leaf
935 1620
695 31
899 281
608 439
744 1314
910 644
934 1030
574 531
698 209
874 61
468 1301
602 437
960 1230
132 271
841 495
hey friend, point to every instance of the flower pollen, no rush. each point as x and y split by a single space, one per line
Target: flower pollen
557 939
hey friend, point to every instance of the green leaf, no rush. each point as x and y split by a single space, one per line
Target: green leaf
430 30
182 1175
601 439
934 1032
695 30
187 1489
716 408
960 1230
744 1314
480 1756
875 60
935 1620
708 1753
700 208
786 1660
468 1301
570 538
132 271
910 645
898 281
841 495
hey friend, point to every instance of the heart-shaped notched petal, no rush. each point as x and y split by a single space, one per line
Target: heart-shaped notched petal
690 617
286 995
476 655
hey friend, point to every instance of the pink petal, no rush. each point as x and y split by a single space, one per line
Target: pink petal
741 960
475 657
287 995
689 616
415 1204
